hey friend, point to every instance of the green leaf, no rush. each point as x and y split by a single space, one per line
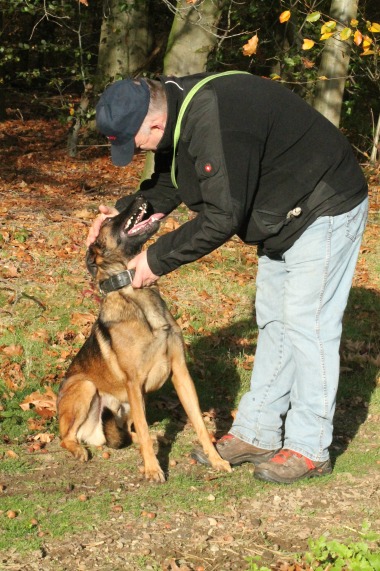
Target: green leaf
313 17
345 33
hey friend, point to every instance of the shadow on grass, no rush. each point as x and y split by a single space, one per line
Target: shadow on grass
213 363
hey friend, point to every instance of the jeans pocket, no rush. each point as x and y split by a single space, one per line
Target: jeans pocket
356 221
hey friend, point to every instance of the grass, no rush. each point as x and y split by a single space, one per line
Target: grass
40 519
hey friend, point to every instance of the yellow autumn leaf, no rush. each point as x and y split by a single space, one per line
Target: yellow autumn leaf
367 53
374 28
326 36
275 76
328 27
307 44
250 48
345 34
285 16
354 23
366 42
358 38
323 78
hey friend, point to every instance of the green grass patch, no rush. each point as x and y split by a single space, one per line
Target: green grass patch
48 515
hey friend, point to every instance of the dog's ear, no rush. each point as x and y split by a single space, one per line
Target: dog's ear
90 261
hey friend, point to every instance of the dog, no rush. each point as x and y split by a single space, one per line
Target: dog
134 346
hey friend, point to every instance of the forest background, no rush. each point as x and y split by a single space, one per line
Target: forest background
62 53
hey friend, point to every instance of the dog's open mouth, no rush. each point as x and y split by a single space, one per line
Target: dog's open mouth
137 224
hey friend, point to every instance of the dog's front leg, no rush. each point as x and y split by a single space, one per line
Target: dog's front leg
151 465
187 394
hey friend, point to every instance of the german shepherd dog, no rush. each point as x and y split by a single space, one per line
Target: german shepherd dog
134 346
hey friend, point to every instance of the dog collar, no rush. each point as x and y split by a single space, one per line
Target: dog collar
117 282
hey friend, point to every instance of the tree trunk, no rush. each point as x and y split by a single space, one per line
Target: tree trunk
192 37
334 64
72 140
376 147
125 39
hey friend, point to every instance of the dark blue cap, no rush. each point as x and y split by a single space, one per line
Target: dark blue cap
119 114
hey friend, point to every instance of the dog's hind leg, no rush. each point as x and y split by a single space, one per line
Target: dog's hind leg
75 400
184 385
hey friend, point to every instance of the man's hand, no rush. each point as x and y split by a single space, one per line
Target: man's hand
105 212
143 276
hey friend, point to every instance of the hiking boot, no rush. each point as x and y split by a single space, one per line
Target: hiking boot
235 451
288 466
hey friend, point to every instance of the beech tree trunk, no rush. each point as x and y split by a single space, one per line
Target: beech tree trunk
125 39
334 64
192 37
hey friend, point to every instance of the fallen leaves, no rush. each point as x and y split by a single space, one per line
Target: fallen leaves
83 214
82 319
12 350
12 375
44 404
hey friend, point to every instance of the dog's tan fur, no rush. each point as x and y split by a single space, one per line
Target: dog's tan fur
134 347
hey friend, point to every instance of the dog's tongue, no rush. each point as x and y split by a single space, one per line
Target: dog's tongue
137 228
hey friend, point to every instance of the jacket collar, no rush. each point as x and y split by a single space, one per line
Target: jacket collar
174 94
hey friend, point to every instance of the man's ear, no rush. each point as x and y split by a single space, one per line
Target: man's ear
157 121
90 261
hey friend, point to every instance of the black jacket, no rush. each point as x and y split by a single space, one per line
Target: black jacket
254 160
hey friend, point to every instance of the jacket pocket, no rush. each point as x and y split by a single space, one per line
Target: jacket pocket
269 223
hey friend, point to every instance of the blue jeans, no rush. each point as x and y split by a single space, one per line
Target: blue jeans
300 302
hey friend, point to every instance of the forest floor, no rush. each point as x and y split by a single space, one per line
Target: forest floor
103 515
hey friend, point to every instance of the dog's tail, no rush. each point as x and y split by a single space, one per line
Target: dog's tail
115 435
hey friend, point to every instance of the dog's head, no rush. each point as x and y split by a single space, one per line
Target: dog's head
121 238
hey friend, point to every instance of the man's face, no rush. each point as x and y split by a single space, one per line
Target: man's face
148 138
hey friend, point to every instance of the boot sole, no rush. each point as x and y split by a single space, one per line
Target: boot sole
312 474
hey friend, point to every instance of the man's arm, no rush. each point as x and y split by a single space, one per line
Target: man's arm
223 191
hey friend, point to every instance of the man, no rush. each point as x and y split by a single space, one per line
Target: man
254 159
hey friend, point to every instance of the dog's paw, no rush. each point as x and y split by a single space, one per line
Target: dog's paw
221 465
79 452
82 455
155 475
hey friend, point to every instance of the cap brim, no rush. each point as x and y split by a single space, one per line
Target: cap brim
122 154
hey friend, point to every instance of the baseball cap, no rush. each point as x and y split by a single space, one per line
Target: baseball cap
119 114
